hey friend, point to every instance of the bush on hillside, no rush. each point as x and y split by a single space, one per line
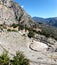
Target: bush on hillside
14 25
31 34
4 59
9 30
21 27
20 59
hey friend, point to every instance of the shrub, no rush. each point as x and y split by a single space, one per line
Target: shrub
14 25
21 27
1 25
31 34
4 59
9 30
20 59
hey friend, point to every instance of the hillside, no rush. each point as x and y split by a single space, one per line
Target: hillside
19 32
11 12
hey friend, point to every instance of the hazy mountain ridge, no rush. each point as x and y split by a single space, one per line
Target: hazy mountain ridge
50 21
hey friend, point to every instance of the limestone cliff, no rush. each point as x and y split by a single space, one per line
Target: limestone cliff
11 12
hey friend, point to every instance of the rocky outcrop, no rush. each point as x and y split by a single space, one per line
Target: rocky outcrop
7 15
21 16
11 12
6 2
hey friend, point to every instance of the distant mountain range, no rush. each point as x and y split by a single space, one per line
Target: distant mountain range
50 21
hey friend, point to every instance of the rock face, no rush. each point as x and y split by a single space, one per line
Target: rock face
6 15
6 2
14 41
11 12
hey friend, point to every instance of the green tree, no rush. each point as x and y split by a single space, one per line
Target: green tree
4 59
31 34
20 59
14 25
21 27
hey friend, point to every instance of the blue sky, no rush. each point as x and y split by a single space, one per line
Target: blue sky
40 8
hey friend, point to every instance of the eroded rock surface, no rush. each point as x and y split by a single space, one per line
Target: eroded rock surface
14 41
11 12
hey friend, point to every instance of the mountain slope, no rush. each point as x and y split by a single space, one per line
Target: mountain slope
11 12
14 37
49 21
39 19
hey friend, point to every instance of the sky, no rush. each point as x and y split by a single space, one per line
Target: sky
39 8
